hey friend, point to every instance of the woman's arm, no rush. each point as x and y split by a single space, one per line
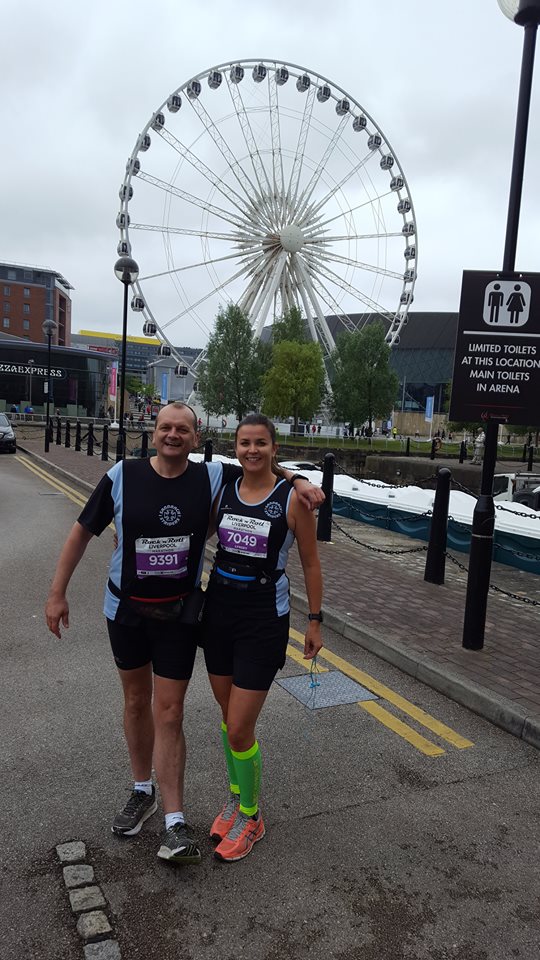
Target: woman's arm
57 607
302 523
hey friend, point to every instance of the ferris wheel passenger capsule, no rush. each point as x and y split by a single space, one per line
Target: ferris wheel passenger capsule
359 123
174 103
193 89
180 370
138 304
409 276
237 73
282 75
158 122
149 328
214 79
404 206
145 142
342 107
133 166
124 249
122 221
303 83
164 350
409 253
374 141
125 192
397 183
258 73
324 93
408 229
406 298
387 162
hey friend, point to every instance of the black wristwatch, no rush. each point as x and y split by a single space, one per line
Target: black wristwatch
316 616
297 476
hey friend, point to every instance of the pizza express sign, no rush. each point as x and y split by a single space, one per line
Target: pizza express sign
497 359
32 370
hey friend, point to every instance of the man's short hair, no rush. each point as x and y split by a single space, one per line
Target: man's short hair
180 405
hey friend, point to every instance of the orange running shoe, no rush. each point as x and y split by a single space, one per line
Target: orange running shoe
224 820
244 832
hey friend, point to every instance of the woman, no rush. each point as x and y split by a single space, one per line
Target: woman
246 621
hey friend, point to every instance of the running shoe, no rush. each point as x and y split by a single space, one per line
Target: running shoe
139 807
179 845
244 832
224 820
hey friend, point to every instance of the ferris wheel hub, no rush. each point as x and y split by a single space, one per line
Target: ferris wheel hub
292 238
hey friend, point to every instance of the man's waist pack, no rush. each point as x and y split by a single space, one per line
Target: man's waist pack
187 608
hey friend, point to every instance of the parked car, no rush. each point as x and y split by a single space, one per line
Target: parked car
518 487
8 444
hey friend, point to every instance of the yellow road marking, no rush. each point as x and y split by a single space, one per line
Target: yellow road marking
53 482
436 727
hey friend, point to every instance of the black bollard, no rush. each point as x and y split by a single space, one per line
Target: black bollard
105 443
432 454
208 451
51 432
78 436
524 454
435 560
67 441
462 451
144 444
530 459
58 431
90 441
408 447
324 522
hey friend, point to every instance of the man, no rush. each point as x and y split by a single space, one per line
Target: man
160 507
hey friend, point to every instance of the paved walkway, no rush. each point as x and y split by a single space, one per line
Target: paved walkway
381 601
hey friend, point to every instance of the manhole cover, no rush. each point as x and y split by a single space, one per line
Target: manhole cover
333 688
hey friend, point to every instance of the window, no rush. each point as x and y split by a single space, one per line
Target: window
26 308
7 291
26 324
6 322
7 307
11 275
27 274
26 292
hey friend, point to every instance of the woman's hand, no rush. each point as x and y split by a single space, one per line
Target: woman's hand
312 640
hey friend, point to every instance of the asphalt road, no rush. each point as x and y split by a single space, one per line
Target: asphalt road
374 850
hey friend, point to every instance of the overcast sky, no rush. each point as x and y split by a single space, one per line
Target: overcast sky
439 77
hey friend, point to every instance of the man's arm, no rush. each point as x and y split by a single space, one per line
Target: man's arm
57 607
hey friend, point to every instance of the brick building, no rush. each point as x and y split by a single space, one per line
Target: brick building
30 295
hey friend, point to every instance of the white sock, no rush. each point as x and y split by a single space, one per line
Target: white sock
172 818
145 786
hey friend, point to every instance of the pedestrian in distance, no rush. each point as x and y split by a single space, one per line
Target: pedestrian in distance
246 618
161 509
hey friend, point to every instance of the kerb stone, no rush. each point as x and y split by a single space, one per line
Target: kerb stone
106 950
87 898
71 852
92 925
78 876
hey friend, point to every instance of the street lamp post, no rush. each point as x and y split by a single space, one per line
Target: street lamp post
49 328
526 13
127 272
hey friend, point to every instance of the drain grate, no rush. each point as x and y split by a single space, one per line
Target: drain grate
334 688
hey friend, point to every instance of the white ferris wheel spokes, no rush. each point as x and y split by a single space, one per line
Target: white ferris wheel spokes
265 184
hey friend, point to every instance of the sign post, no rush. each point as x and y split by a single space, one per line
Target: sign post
496 380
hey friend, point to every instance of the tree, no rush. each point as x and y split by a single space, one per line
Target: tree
230 381
291 327
294 385
364 386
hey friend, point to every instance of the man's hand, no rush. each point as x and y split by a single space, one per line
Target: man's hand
308 494
56 610
312 640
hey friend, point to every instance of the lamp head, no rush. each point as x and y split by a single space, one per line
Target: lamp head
521 11
48 327
126 270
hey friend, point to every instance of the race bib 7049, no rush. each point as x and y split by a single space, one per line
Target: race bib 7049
244 535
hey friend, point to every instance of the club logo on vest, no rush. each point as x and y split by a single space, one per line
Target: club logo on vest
170 515
273 509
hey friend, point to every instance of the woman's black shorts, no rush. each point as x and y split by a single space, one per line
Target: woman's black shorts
168 645
243 639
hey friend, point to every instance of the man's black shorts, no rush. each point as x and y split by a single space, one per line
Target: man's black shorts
241 643
168 645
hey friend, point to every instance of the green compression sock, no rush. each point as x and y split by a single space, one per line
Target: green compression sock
231 769
248 768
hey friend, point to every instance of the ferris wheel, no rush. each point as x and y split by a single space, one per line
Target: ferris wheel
264 184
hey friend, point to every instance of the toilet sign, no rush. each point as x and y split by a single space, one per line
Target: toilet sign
497 358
